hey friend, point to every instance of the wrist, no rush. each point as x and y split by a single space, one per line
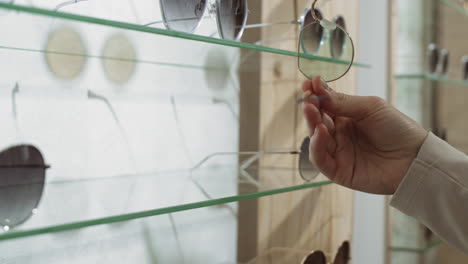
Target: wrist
420 137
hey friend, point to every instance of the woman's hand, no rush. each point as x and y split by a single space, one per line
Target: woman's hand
360 142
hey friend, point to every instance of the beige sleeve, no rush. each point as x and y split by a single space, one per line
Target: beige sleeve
435 191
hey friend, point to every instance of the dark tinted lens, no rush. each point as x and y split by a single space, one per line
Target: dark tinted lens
306 168
311 38
182 15
231 15
338 37
444 60
465 68
317 257
342 257
432 57
22 175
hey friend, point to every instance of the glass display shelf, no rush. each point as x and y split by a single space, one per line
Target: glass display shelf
99 201
432 78
455 6
203 235
430 246
25 18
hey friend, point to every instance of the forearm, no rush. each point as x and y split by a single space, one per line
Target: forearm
435 191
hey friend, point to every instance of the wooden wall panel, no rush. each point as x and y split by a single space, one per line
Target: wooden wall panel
311 219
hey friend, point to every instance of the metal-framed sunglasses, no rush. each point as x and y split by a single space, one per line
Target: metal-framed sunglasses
325 48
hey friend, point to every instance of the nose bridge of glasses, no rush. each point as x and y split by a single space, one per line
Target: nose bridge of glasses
329 25
212 8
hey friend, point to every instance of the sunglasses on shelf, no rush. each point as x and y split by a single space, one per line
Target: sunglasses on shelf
22 177
437 61
318 257
186 16
307 170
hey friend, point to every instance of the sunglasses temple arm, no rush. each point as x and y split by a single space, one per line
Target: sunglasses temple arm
123 134
271 24
71 2
174 20
153 23
13 101
313 11
14 109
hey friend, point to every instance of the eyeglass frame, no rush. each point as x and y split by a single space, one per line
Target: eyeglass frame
322 22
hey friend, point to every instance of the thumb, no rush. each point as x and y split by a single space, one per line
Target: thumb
351 106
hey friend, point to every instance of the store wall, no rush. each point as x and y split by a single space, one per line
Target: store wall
165 119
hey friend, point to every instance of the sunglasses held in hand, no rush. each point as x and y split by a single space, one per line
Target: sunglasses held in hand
325 48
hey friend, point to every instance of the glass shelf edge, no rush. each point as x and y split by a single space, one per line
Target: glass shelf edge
164 32
417 250
456 7
431 78
167 210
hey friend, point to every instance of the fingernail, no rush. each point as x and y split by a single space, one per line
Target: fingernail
324 84
307 94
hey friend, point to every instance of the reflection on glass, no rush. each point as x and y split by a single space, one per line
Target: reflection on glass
64 49
119 71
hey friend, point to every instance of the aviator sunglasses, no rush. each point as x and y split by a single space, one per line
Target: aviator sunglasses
22 177
437 61
318 257
325 48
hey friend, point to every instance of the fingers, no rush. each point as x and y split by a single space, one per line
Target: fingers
308 92
329 123
339 104
313 117
319 151
307 86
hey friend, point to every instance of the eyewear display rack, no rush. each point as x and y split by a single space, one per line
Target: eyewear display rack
271 197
